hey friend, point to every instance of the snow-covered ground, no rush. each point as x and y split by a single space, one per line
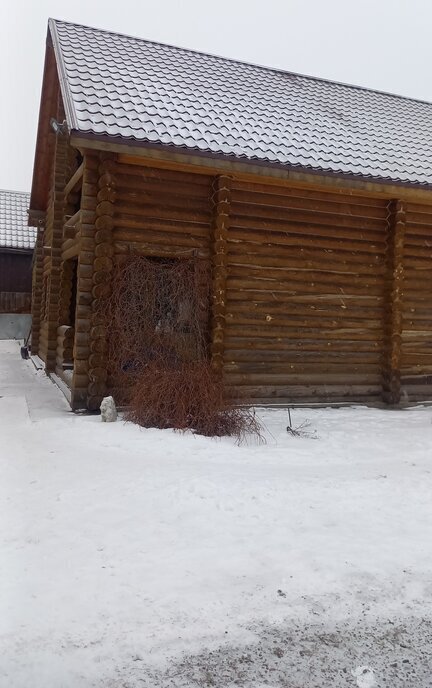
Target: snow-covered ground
148 558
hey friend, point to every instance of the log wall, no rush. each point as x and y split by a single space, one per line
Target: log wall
162 212
85 296
305 294
102 276
317 296
48 256
221 199
129 209
416 354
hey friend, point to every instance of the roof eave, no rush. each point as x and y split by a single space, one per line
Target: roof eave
213 161
44 136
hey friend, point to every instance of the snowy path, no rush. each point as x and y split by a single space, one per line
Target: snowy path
146 558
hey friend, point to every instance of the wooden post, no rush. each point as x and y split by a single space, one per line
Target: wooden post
54 235
65 292
84 299
37 291
221 199
394 314
102 276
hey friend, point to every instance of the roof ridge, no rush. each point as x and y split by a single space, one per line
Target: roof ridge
278 70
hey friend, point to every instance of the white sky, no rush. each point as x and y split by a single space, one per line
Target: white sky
383 44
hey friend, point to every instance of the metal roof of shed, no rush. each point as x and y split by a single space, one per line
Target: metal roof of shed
14 232
131 89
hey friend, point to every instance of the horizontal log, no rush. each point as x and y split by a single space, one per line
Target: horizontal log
105 208
242 370
81 367
348 301
374 327
86 257
422 252
418 235
65 332
286 211
101 290
131 189
335 206
245 238
106 179
98 331
82 325
265 359
256 347
319 378
270 369
317 333
96 360
96 388
410 330
305 393
162 175
123 248
418 208
103 263
99 345
84 284
107 194
102 277
88 207
416 360
293 226
64 355
170 226
302 311
182 237
415 283
79 381
98 374
322 261
318 277
84 272
135 213
340 195
299 287
419 369
104 250
104 223
417 317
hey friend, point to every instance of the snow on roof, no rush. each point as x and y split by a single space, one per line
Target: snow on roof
14 231
132 89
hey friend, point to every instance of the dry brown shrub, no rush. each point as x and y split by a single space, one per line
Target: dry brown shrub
157 324
188 397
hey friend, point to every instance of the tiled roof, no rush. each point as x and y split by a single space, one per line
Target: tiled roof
14 232
119 86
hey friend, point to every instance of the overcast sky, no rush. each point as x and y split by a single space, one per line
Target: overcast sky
383 44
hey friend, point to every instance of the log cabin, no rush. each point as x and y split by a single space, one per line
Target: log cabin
310 201
17 241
